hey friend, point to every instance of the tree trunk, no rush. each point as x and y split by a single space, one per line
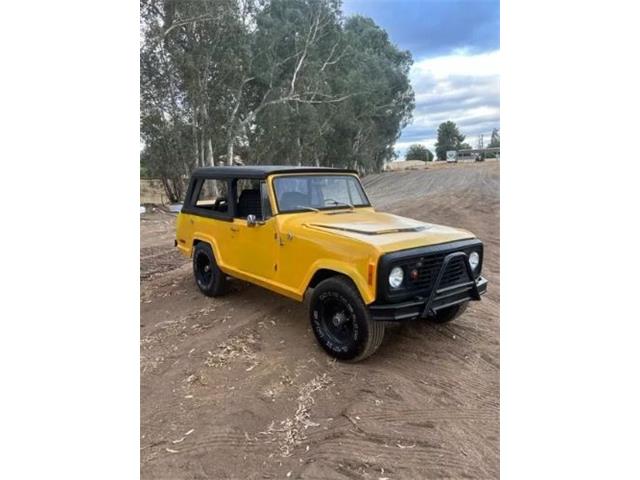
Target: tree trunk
210 153
202 150
230 153
194 130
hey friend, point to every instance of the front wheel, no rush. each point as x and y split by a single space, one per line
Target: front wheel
341 322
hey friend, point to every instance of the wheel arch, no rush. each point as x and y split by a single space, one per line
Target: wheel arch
202 238
322 274
322 271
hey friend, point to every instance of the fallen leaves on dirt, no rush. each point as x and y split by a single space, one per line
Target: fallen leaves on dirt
291 432
241 347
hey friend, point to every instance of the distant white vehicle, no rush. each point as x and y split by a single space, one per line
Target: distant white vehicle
452 156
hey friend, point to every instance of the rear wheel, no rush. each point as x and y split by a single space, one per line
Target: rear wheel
450 313
209 278
341 322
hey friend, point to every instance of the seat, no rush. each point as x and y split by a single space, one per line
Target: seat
293 200
249 203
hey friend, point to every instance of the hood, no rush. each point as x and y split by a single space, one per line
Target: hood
386 231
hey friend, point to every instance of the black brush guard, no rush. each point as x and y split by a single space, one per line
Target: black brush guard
438 298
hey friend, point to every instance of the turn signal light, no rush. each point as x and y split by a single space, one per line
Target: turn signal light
370 274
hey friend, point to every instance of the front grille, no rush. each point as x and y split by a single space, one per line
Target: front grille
428 269
427 261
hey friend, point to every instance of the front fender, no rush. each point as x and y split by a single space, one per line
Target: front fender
359 278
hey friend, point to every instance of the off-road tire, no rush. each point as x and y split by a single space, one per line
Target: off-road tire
450 313
209 278
356 336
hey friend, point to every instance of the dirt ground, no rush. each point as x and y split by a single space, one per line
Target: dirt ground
236 387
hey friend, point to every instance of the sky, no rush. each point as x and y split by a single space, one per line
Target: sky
455 46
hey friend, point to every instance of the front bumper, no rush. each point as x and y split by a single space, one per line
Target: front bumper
426 306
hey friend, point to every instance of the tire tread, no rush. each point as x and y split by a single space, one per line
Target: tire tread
375 329
218 287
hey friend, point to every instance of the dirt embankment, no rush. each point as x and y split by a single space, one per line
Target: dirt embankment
236 387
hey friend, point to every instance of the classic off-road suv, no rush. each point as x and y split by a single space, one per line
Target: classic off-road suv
294 230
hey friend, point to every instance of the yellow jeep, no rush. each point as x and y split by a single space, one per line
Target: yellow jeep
299 229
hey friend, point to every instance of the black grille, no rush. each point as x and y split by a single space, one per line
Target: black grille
427 262
428 269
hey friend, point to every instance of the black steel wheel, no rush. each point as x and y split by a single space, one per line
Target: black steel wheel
341 322
209 278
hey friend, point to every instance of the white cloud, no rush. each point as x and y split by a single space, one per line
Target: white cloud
458 64
460 87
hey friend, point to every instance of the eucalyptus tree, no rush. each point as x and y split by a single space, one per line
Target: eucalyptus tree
164 123
278 81
294 47
372 120
358 95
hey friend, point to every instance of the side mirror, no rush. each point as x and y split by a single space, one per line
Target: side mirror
252 221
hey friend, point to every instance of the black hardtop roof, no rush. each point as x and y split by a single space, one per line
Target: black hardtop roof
262 171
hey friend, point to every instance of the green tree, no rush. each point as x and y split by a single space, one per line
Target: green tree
370 122
419 152
449 138
273 81
362 97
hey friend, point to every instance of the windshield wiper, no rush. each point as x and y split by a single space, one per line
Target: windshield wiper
304 207
336 202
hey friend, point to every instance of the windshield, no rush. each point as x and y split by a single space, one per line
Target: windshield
318 192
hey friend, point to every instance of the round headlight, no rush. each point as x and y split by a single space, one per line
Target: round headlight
395 277
474 260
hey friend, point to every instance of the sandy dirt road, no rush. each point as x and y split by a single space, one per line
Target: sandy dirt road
236 387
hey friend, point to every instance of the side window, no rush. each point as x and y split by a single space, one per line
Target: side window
213 196
248 198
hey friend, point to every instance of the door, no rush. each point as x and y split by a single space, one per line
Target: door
253 246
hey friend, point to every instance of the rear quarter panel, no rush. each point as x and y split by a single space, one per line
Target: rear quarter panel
184 234
191 228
